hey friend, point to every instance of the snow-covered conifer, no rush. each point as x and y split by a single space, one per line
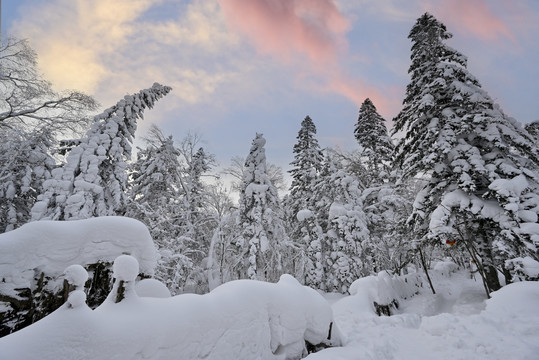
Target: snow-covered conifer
306 167
260 218
480 165
339 250
93 181
376 147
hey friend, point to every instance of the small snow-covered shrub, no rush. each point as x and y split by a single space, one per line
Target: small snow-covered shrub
36 259
381 293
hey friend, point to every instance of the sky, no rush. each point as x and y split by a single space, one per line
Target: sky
238 67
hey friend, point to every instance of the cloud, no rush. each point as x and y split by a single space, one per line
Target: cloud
314 29
309 35
71 37
109 48
472 17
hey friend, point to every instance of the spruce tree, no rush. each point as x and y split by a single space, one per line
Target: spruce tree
306 167
480 166
376 147
93 182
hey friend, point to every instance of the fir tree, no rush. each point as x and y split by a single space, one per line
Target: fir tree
376 147
306 167
480 165
339 250
93 182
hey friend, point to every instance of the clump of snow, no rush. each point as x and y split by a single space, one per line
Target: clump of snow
445 267
523 268
52 246
304 214
152 288
76 299
336 210
125 268
76 275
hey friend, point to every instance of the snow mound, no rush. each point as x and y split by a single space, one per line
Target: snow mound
152 288
76 275
52 246
125 268
241 319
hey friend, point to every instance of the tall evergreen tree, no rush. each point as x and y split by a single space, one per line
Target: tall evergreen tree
93 182
339 250
260 217
306 167
480 165
376 147
249 243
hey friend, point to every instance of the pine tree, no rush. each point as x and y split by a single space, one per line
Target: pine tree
480 165
93 182
376 147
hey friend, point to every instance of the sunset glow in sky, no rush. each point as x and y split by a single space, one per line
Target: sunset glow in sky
238 67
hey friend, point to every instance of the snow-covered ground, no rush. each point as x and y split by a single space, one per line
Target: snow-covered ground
255 320
456 323
241 319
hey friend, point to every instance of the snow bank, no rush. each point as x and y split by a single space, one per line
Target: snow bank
51 246
238 320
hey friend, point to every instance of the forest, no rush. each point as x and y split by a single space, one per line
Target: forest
453 178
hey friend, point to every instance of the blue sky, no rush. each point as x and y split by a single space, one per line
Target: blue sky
239 67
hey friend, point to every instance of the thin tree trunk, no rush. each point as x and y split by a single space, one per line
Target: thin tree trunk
426 270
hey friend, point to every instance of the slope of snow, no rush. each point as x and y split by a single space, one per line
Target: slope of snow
239 320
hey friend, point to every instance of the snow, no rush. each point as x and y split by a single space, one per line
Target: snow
51 246
304 214
152 288
455 323
76 275
241 319
248 319
125 268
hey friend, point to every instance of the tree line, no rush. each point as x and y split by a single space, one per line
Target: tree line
456 177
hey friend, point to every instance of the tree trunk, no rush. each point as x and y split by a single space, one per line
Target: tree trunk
491 275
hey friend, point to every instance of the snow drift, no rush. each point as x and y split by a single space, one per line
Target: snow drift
241 319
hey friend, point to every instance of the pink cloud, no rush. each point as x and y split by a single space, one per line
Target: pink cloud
472 16
288 28
308 33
